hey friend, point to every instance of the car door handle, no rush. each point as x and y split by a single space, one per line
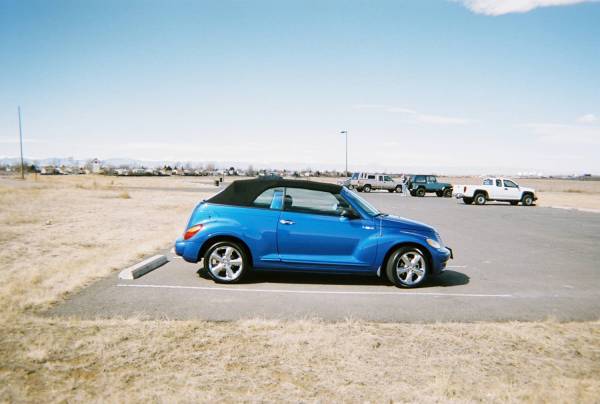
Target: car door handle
283 221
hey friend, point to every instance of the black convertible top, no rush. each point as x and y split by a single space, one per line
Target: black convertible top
244 192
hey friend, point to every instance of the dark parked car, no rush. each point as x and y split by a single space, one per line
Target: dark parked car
419 185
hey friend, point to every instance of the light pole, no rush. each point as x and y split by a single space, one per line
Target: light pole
21 144
345 132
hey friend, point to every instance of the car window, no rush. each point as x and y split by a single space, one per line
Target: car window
311 201
387 178
264 200
380 178
488 182
355 176
431 179
499 183
420 178
510 184
371 177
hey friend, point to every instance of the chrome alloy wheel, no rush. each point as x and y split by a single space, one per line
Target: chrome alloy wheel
411 268
225 263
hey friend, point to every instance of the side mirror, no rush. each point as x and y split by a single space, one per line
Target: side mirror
350 214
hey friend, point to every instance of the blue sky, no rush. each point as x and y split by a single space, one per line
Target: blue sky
446 86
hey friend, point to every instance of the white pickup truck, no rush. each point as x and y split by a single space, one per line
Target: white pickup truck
495 189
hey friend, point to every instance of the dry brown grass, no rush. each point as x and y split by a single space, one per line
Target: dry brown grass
132 360
83 232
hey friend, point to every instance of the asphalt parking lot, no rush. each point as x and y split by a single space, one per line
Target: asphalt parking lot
511 263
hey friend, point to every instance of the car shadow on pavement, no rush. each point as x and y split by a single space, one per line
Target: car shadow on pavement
448 278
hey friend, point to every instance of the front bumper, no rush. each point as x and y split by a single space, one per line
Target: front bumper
440 258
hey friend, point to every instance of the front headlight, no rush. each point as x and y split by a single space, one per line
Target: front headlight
433 243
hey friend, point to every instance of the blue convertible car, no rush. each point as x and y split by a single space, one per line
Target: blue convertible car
306 226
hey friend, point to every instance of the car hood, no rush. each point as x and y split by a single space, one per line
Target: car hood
525 189
398 222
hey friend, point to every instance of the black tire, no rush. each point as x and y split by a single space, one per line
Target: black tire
400 280
527 200
480 199
398 189
367 188
448 193
514 203
239 252
468 201
420 192
439 194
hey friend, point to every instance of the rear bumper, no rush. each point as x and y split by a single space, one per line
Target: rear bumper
187 249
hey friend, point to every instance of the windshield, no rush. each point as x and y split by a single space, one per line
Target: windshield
366 206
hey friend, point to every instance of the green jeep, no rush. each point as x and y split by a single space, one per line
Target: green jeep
419 185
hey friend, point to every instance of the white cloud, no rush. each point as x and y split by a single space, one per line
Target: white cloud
499 7
442 120
401 110
566 134
15 140
416 115
587 118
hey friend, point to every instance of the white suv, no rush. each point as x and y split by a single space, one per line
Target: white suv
366 182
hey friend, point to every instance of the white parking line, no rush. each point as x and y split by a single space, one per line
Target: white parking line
317 292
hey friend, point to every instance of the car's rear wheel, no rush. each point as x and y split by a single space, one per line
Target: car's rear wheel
367 188
420 192
398 188
527 200
447 192
226 262
468 201
407 267
480 199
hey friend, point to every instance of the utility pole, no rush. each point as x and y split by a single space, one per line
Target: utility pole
345 132
21 144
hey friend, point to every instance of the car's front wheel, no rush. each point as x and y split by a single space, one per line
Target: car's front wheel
407 267
527 200
226 262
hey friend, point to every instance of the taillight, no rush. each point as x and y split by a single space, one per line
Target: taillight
465 189
191 232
